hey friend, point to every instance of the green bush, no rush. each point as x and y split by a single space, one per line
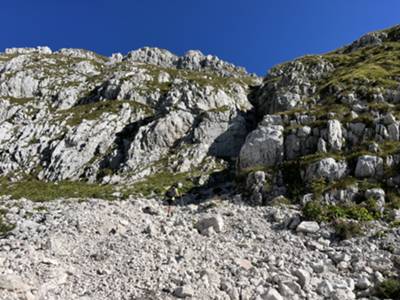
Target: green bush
315 211
37 190
292 178
393 200
4 226
388 289
347 229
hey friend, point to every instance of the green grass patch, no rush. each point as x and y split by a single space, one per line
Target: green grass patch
393 200
39 191
93 111
18 101
158 184
220 109
202 78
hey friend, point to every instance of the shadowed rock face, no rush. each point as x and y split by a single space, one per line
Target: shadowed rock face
73 114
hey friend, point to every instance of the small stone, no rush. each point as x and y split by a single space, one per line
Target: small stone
289 287
343 294
150 211
215 222
325 288
363 283
369 166
117 194
13 282
211 276
318 267
304 131
244 263
272 294
303 276
308 227
343 265
396 215
183 292
374 147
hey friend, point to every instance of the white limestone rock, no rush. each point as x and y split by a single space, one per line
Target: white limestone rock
369 166
327 168
335 135
184 292
263 147
272 294
308 227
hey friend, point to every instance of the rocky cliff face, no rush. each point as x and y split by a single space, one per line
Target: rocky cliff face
320 127
75 115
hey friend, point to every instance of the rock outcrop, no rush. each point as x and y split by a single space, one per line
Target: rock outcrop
76 115
332 121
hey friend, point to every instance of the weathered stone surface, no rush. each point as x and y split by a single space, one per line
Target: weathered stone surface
308 227
73 114
327 168
184 292
263 147
272 294
303 276
215 222
369 166
13 282
335 135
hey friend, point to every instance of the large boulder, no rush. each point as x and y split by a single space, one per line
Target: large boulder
369 166
263 146
223 133
327 168
335 135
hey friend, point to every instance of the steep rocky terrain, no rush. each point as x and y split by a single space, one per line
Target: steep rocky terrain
291 182
75 115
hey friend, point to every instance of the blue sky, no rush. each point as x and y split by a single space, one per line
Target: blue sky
256 34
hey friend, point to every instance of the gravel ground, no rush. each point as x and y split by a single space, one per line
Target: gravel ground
220 249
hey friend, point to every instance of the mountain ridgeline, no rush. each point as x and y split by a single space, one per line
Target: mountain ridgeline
321 127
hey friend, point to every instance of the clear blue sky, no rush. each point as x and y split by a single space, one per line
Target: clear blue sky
256 34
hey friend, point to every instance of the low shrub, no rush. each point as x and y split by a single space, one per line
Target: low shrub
388 289
315 211
347 229
5 227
